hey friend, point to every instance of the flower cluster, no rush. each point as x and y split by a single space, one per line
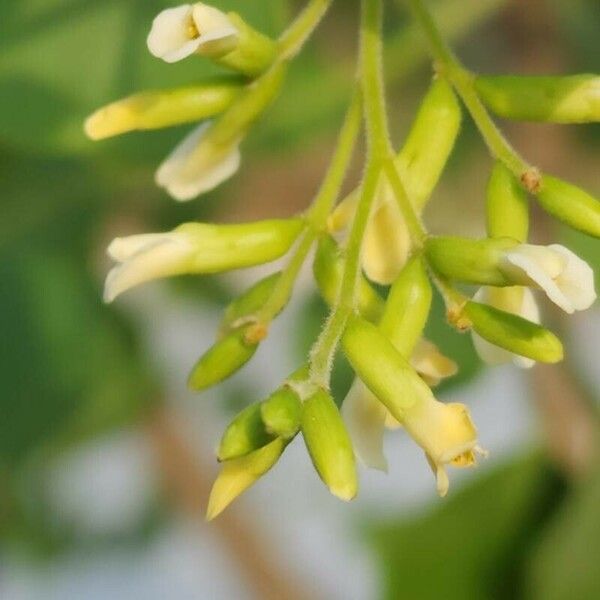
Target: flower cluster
374 235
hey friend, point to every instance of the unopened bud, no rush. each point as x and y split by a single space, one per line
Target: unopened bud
570 204
238 474
407 307
244 434
507 206
329 445
513 333
282 413
162 108
571 99
429 142
222 360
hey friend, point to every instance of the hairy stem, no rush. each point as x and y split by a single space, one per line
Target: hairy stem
294 37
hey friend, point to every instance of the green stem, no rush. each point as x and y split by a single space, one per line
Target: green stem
461 79
323 351
319 211
294 37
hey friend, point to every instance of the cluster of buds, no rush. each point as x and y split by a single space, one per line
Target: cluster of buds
380 329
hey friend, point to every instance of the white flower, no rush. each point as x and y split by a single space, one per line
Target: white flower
367 418
146 257
567 280
197 165
187 29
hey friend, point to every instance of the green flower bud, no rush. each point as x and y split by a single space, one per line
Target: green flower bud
407 307
252 300
328 268
329 445
244 434
429 142
282 413
571 99
570 204
162 108
470 261
238 474
513 333
382 368
507 206
223 359
254 52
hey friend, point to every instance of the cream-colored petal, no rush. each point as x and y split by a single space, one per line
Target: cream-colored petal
169 37
162 259
343 214
490 353
217 33
365 420
386 245
191 170
123 248
430 363
540 269
576 280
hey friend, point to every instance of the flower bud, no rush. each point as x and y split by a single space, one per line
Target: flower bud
251 301
328 268
329 445
194 248
244 434
570 99
507 206
407 307
513 333
429 142
468 260
570 204
282 413
223 359
238 474
382 368
162 108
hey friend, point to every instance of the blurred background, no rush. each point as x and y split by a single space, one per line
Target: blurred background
106 459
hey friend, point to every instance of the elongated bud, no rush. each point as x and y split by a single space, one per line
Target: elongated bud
252 300
329 445
195 248
570 204
407 307
328 268
238 474
507 206
244 434
254 52
468 260
282 413
223 359
382 368
429 142
513 333
162 108
571 99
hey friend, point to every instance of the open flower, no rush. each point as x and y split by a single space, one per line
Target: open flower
386 244
516 300
367 418
567 280
197 165
187 29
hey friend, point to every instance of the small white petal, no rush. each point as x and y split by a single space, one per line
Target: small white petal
430 363
214 26
365 419
123 248
576 280
541 268
188 172
169 36
162 259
